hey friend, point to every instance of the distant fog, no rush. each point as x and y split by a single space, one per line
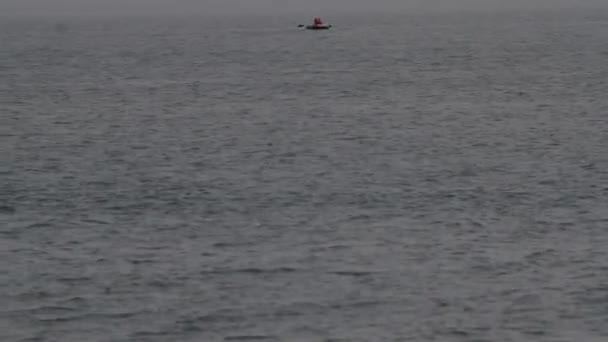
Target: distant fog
277 6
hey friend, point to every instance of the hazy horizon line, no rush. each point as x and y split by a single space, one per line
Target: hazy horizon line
276 7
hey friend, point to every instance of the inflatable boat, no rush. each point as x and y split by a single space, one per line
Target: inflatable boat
316 25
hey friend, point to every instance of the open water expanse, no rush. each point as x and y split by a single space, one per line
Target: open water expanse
432 177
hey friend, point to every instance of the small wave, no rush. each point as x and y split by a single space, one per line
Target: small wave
543 257
34 339
74 279
59 319
142 261
353 273
113 315
219 317
299 308
56 309
95 221
253 270
39 225
458 332
330 247
5 209
75 300
44 310
249 338
34 295
150 333
358 304
231 244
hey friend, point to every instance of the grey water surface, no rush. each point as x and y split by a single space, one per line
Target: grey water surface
439 177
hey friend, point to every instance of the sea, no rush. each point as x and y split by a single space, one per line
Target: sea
401 177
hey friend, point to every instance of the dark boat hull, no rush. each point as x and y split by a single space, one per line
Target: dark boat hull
318 27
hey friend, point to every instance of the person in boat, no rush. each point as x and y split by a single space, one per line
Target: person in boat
318 22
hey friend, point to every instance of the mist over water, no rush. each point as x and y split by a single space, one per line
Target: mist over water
402 177
276 7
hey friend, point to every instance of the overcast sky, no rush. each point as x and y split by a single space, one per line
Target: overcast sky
273 6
